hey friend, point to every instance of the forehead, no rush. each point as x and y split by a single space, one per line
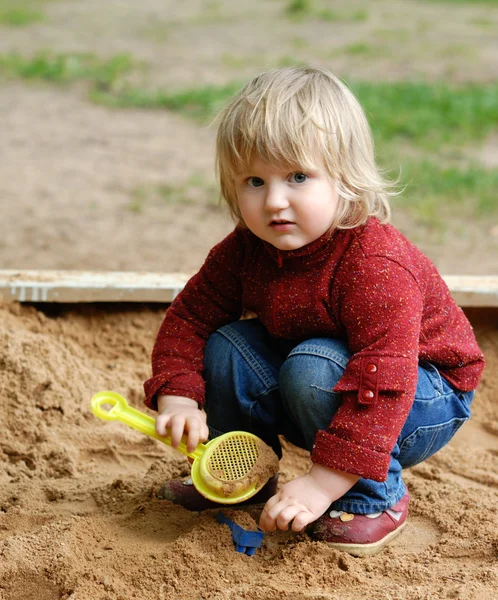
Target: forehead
260 166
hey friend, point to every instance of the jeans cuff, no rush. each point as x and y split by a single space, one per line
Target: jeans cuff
366 506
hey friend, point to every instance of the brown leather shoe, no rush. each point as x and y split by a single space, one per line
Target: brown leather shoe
361 535
183 492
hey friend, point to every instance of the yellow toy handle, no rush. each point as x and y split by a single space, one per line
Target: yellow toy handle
122 411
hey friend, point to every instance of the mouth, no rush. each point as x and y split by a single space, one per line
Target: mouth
281 222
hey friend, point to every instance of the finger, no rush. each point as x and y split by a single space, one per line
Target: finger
270 512
286 515
193 435
161 425
264 520
266 523
301 520
270 503
278 507
177 427
204 432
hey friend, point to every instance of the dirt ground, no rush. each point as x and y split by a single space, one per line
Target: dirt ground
71 170
79 515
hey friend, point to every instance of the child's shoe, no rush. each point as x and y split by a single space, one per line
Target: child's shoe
184 493
361 535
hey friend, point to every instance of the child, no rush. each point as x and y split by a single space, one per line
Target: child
358 352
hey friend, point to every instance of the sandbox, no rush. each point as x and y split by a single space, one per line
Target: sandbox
79 515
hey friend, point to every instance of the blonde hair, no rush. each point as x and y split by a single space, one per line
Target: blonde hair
303 117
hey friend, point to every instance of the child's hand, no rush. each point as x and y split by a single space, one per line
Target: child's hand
305 499
179 416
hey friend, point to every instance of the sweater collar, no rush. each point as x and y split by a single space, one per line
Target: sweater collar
310 250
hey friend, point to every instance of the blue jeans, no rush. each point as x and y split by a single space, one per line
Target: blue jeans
274 387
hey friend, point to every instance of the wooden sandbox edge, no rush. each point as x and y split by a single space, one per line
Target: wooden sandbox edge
129 286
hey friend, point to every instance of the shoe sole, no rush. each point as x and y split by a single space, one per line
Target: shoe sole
364 550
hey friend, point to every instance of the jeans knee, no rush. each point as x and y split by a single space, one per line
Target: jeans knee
306 388
294 381
307 383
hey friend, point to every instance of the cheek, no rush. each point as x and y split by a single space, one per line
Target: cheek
323 213
243 205
250 202
246 210
329 201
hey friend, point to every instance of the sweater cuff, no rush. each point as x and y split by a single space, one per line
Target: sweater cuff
368 375
340 454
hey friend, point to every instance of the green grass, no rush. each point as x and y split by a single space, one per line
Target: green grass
360 49
483 22
20 13
20 17
429 115
359 15
331 16
66 67
327 14
198 103
297 10
425 115
466 192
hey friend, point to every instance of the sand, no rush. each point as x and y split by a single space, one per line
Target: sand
79 516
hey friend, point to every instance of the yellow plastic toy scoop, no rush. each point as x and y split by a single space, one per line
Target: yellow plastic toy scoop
228 469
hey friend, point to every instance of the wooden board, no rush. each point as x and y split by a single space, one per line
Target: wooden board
89 286
128 286
473 290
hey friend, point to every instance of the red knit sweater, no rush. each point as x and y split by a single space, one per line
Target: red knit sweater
369 286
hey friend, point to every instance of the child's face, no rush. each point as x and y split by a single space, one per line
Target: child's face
288 209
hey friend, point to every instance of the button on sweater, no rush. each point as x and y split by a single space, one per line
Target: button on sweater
369 286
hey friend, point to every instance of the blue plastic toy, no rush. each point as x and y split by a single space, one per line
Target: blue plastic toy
245 541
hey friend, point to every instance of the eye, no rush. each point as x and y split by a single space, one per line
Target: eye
299 177
255 182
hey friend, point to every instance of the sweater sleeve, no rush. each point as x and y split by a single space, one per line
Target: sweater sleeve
380 306
211 299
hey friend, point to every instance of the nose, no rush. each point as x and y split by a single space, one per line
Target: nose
276 198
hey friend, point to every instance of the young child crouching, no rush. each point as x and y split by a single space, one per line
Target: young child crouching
358 352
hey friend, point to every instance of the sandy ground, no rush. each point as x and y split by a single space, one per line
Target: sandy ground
79 516
80 520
